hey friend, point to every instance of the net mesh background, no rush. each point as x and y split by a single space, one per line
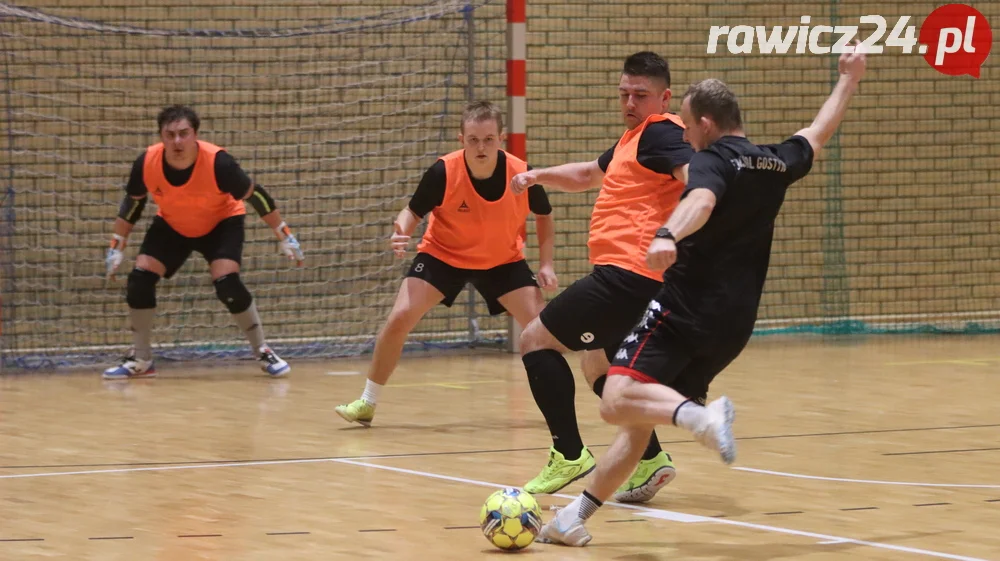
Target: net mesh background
338 110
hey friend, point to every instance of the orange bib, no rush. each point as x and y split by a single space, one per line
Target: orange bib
195 208
469 232
633 203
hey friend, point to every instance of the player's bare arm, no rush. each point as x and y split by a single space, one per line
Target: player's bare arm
691 214
402 229
681 173
852 68
569 178
545 229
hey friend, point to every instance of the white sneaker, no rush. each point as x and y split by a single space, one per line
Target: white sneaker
717 432
131 367
272 363
565 529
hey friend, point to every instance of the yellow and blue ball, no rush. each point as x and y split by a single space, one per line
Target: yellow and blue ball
510 519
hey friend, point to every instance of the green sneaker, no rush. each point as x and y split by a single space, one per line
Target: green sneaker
560 472
358 411
649 477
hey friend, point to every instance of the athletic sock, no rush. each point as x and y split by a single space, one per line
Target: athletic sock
552 385
142 331
371 392
249 323
689 415
583 506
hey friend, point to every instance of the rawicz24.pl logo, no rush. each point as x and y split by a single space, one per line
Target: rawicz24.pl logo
954 39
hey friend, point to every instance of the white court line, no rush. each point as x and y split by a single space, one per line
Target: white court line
641 511
166 468
687 518
872 481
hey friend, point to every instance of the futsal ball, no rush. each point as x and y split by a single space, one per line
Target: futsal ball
510 519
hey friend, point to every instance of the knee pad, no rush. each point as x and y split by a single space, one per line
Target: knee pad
140 292
232 293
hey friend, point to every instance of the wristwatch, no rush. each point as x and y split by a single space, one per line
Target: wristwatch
666 234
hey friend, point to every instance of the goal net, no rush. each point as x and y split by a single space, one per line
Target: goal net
336 110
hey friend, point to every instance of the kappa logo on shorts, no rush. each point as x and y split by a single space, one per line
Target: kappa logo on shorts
632 338
587 337
622 355
464 207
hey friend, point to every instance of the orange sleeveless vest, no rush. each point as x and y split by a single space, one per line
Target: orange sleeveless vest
469 232
633 203
196 207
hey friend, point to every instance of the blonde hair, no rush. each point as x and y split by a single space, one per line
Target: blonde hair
714 99
479 111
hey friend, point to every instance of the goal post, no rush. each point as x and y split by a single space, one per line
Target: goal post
337 113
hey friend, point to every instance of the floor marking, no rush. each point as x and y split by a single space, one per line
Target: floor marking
201 536
158 465
348 461
461 527
454 384
933 504
639 511
940 451
785 512
682 517
343 373
166 468
379 530
872 481
965 361
860 508
23 540
833 542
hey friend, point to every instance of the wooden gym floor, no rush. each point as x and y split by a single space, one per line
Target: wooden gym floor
878 448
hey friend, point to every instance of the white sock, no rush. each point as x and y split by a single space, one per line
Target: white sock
371 392
583 507
588 505
690 416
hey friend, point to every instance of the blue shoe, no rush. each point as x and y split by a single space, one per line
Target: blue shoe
272 363
131 368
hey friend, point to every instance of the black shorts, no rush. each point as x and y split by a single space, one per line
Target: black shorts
167 246
599 310
490 283
664 349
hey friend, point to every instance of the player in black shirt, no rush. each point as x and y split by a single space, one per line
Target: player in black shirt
430 191
716 245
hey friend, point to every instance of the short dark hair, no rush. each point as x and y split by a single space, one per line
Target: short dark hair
649 64
176 113
714 99
479 111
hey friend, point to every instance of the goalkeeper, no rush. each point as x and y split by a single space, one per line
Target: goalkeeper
199 189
